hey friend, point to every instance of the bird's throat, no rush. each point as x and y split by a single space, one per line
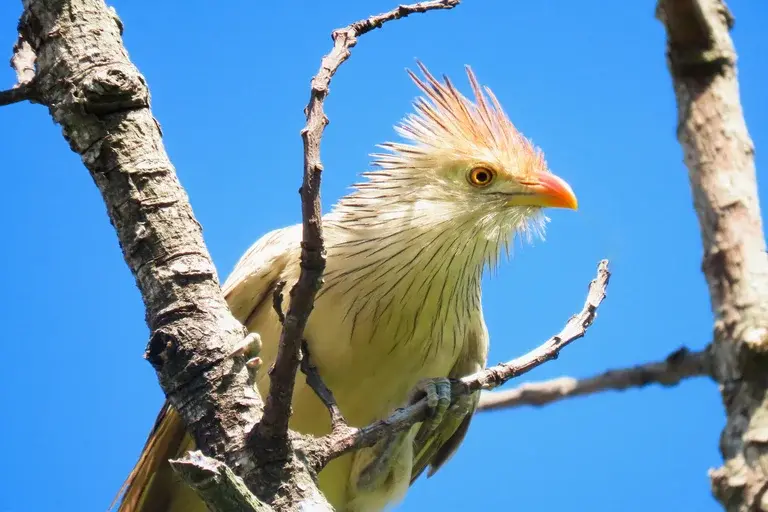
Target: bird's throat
404 283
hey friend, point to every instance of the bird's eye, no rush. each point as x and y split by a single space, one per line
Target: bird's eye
480 177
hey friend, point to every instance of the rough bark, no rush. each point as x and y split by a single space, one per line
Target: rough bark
222 490
102 103
719 155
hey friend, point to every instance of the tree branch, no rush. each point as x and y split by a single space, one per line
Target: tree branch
679 365
101 102
322 391
277 409
222 490
22 92
719 155
349 439
23 62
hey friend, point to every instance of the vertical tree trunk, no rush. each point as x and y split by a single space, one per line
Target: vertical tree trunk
720 158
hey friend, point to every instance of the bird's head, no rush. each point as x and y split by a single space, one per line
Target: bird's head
463 161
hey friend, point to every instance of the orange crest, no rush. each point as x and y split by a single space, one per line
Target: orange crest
446 124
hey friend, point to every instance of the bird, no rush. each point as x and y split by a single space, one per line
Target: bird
399 312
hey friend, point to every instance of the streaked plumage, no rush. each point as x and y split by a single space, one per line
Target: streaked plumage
401 299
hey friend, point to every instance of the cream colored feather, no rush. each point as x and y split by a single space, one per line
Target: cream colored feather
401 299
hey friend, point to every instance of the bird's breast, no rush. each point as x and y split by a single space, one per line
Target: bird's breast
375 333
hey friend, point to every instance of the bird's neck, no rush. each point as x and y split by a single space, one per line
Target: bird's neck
406 254
394 230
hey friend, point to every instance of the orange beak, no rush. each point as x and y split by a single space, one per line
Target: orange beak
547 191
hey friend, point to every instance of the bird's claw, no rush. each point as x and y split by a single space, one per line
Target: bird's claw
250 347
438 394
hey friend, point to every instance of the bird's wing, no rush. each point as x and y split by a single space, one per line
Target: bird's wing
258 271
434 448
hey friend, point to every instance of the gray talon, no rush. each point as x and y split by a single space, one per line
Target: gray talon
438 393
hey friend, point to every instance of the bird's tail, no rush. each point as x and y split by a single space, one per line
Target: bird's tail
152 485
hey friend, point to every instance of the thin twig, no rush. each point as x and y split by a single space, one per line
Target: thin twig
338 443
277 409
22 92
23 62
277 301
679 365
322 391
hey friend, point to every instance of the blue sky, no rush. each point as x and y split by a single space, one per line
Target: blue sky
587 81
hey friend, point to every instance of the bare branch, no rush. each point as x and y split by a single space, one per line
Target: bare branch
719 154
321 390
101 102
220 488
23 62
679 365
277 409
277 301
350 439
23 92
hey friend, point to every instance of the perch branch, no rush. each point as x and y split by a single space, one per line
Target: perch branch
277 409
679 365
350 439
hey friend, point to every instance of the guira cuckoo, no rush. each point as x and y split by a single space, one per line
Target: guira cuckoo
400 307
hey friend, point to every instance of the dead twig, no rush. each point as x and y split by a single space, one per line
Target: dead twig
679 365
23 62
321 390
23 92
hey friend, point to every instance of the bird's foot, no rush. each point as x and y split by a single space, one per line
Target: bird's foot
380 461
438 394
250 347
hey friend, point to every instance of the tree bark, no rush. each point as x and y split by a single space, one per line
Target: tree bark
719 155
102 103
